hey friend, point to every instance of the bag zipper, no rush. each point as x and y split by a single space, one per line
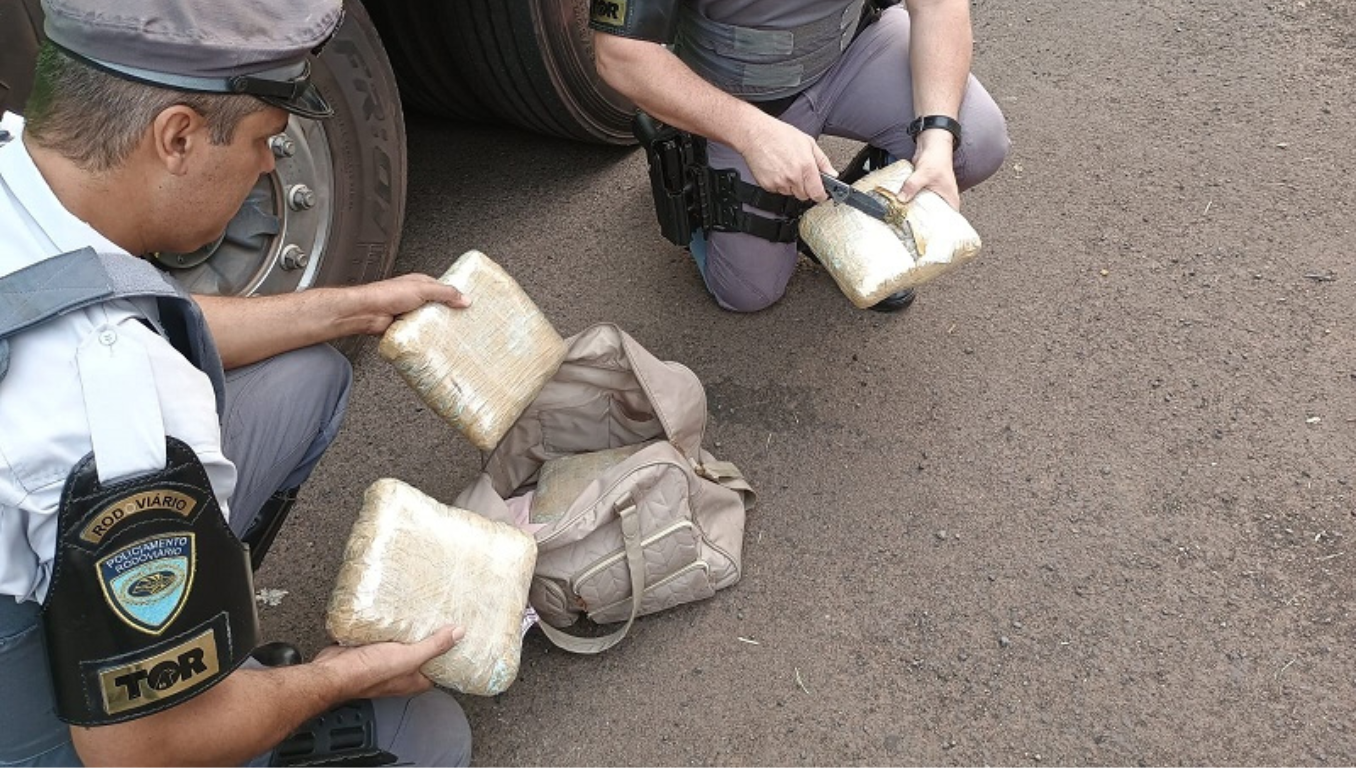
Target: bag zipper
612 559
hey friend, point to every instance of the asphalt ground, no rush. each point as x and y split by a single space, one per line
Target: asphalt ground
1091 500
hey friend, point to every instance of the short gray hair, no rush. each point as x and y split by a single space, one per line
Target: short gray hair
96 119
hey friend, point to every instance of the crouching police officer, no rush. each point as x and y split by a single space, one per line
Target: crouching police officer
760 81
130 464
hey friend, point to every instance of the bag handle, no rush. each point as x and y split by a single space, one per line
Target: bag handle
635 563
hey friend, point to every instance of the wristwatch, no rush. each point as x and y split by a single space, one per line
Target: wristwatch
943 122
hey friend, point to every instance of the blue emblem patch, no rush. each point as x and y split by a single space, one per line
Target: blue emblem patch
146 582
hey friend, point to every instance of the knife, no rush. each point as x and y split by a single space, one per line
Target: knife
859 201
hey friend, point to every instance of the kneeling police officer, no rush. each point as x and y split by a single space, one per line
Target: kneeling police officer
132 465
753 85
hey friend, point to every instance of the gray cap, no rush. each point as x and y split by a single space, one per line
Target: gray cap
256 47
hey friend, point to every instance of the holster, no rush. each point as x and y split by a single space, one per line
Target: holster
690 195
343 735
674 158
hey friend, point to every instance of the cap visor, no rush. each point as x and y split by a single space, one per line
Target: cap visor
309 103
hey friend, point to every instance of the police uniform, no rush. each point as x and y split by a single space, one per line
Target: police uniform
834 67
130 463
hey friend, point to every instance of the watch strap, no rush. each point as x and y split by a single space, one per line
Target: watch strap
943 122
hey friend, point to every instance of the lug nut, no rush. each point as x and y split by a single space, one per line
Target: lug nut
282 145
292 257
301 198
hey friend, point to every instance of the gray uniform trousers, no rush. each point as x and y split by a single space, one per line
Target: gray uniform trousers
865 96
280 416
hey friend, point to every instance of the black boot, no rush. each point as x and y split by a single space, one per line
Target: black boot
277 654
262 531
896 302
868 159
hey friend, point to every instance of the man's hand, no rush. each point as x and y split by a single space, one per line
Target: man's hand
387 669
786 161
251 329
933 168
385 300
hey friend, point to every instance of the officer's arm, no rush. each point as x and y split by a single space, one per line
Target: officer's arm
250 329
941 55
662 85
245 715
783 159
940 58
252 710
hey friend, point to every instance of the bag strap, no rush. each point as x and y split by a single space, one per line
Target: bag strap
728 475
635 563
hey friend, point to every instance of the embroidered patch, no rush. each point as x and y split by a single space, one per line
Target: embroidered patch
147 582
609 12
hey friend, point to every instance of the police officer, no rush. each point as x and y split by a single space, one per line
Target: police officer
130 463
762 80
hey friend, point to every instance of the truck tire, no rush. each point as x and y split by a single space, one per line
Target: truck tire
527 63
332 211
21 24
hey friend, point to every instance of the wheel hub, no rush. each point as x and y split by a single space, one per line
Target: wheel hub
275 242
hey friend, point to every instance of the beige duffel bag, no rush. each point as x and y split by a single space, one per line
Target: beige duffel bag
642 518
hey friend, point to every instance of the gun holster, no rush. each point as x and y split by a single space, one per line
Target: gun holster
343 735
674 158
690 195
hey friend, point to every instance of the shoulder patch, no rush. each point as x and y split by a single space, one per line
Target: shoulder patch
131 629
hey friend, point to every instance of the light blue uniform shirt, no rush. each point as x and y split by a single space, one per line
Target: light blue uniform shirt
96 379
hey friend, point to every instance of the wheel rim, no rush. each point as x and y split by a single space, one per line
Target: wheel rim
275 242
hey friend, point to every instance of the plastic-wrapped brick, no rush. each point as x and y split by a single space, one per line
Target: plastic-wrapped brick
563 479
870 259
413 565
481 366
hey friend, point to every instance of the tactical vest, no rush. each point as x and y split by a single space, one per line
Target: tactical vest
762 64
